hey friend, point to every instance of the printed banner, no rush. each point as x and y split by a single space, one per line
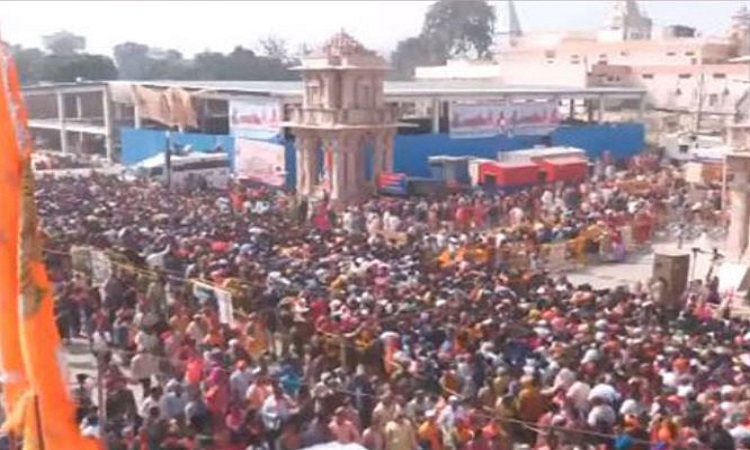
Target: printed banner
81 258
204 291
101 268
226 309
476 120
258 161
392 183
255 119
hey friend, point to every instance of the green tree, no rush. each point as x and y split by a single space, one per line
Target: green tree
459 28
132 60
274 47
410 53
29 63
64 43
62 69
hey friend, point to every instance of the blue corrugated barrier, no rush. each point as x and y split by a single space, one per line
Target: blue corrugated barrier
411 152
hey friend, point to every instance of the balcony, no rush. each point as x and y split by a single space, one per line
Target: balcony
353 117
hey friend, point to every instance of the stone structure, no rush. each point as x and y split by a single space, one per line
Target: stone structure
343 121
738 164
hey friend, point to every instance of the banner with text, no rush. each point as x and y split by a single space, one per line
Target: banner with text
259 161
476 120
255 119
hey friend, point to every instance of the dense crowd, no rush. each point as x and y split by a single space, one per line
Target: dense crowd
397 324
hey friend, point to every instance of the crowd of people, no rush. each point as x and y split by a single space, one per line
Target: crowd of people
397 324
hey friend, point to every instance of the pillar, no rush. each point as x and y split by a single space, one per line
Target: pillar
641 108
311 165
301 153
63 122
108 132
337 175
600 111
388 151
738 226
435 116
136 115
572 108
79 107
378 148
352 178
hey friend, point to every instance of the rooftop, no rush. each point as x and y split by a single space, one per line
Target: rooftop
448 89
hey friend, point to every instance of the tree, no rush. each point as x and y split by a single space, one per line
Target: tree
459 28
29 63
64 43
274 47
132 60
410 53
67 69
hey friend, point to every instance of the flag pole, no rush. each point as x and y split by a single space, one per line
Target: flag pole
38 413
12 443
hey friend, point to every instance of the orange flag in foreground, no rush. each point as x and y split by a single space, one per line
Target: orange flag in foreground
49 412
13 375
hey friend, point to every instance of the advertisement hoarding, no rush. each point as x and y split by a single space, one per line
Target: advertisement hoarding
259 161
258 119
476 120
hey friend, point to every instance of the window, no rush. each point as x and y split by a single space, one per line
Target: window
647 76
550 54
670 53
684 76
713 99
720 75
617 78
690 53
624 53
603 56
683 148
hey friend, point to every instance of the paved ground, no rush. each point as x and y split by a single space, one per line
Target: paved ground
639 266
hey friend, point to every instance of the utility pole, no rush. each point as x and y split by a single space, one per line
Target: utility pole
168 160
699 112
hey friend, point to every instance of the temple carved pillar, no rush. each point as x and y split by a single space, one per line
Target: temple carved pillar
739 204
337 175
311 164
378 149
302 175
738 227
388 151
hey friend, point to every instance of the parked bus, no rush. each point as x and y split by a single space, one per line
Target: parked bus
192 169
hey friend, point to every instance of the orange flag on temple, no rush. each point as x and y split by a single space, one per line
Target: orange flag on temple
45 412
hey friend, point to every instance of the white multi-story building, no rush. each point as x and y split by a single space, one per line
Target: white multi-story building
682 74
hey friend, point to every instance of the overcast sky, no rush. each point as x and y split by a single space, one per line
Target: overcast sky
194 26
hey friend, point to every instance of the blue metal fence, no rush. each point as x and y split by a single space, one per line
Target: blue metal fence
411 152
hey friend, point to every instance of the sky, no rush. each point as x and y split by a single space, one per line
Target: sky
195 26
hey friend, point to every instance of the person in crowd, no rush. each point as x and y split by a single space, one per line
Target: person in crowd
397 323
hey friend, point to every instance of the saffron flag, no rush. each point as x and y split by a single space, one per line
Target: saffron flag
13 376
49 412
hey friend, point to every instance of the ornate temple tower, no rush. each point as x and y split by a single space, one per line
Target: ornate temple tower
343 122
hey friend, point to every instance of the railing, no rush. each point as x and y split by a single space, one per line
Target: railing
325 116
